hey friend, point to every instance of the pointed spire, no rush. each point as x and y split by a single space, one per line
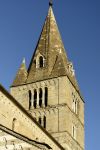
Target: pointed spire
21 75
51 48
23 62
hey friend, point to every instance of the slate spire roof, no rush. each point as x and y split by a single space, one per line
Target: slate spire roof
51 49
21 75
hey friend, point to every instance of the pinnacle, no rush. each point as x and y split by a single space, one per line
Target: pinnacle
21 75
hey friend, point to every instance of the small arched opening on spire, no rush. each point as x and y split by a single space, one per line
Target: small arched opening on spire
41 62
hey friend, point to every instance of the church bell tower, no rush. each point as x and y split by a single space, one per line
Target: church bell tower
48 89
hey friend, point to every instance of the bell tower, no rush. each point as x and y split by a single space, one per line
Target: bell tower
48 89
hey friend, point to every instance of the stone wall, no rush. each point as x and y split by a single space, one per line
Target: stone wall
13 116
60 116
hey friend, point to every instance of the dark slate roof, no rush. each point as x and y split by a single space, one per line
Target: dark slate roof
21 75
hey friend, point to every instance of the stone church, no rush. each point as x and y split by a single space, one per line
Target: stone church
44 109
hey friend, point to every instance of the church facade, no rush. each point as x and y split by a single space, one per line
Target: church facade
48 95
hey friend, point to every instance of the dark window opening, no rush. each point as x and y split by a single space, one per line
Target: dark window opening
30 97
44 120
41 61
40 121
46 96
73 131
40 97
35 62
13 123
75 107
35 98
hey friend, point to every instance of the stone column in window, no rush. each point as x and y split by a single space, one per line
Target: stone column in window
37 98
43 97
37 62
32 99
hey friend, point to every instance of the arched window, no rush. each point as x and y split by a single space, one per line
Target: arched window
40 121
74 131
44 120
35 98
76 107
40 97
41 63
13 123
30 97
46 96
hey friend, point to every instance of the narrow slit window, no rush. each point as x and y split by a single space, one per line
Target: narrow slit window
76 107
13 123
41 63
35 98
40 121
30 97
44 120
40 97
74 131
46 96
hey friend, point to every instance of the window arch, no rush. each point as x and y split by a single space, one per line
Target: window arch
35 98
40 97
41 62
30 97
46 96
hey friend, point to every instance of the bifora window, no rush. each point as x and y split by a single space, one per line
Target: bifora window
42 121
75 104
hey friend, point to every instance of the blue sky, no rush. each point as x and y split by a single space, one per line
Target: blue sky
79 24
